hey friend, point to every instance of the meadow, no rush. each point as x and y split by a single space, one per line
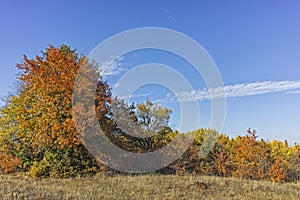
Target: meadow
102 186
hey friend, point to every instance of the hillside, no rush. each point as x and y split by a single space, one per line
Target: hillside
19 186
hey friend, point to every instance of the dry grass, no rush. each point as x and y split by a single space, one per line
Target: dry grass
19 186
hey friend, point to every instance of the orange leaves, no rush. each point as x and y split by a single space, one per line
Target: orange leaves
42 114
222 162
48 82
8 163
277 170
248 157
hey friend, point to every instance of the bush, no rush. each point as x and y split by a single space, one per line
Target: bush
62 164
293 171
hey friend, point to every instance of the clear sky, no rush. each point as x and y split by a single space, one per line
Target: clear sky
255 45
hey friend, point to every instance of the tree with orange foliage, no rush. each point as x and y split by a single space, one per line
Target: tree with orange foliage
248 157
222 164
277 171
43 135
8 158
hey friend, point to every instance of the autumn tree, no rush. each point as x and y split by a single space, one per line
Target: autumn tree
248 156
293 169
152 117
277 170
43 133
280 154
9 160
153 120
222 164
141 128
282 149
198 158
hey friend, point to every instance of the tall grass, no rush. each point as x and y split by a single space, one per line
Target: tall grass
19 186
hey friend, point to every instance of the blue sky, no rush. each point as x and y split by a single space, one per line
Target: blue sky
255 45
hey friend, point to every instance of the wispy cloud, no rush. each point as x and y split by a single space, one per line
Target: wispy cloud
169 13
236 90
294 92
134 96
112 67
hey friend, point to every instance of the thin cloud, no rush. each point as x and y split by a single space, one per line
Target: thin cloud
134 96
169 13
294 92
113 67
236 90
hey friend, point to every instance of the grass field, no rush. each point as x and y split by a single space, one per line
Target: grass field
19 186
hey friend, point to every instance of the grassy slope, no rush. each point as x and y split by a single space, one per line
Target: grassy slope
151 187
